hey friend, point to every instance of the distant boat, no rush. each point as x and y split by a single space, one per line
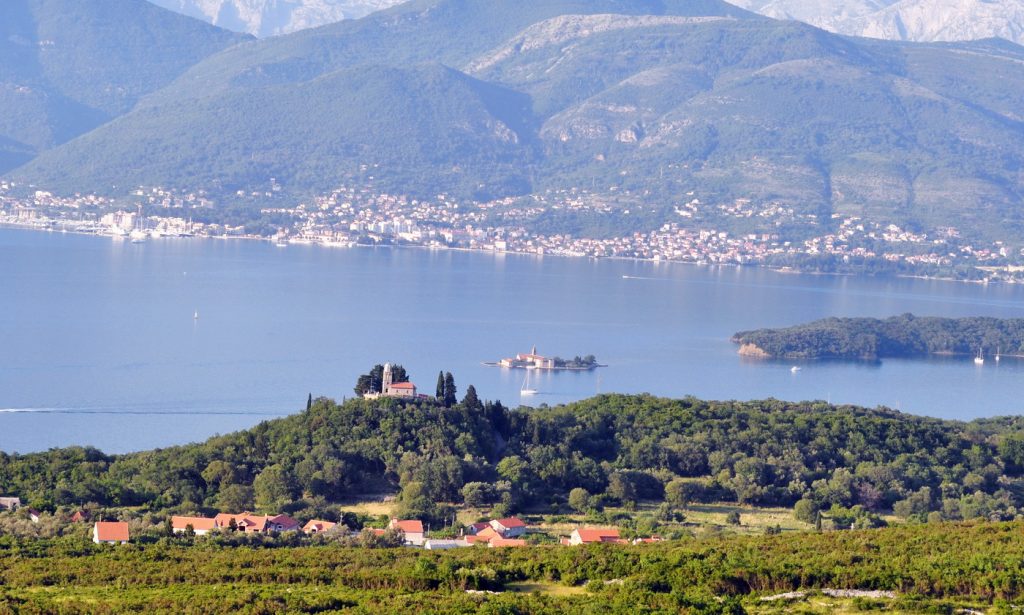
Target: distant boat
525 389
980 359
196 315
998 352
138 236
795 369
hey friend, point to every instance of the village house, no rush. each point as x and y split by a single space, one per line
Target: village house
510 527
33 515
80 516
412 529
200 525
475 528
487 534
316 526
110 533
10 503
257 524
587 536
528 361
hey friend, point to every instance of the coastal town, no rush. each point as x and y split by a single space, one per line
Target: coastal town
360 216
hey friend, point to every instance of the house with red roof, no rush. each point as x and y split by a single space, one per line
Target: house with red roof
589 536
510 527
316 526
79 516
475 528
110 533
488 533
506 542
258 524
412 529
200 525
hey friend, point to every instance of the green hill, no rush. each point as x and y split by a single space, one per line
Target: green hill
619 448
67 66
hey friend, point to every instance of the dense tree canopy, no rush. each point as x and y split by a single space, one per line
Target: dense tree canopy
899 336
616 448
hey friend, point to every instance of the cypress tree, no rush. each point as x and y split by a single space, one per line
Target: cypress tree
440 386
449 390
309 402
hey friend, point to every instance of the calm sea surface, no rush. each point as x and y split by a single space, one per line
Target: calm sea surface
99 344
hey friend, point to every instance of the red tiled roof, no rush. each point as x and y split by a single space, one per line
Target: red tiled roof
315 525
488 532
592 535
224 519
284 521
510 522
111 531
402 385
197 523
414 526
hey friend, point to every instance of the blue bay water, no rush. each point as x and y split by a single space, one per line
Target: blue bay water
100 346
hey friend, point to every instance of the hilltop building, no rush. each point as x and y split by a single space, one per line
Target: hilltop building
390 388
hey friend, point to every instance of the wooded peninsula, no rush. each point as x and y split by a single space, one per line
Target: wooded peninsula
905 336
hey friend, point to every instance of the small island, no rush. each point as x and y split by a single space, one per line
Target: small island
532 360
905 336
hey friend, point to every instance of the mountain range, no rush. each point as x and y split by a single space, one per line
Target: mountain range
273 17
904 20
645 99
67 66
901 20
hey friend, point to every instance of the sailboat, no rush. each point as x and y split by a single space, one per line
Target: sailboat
525 389
980 359
998 352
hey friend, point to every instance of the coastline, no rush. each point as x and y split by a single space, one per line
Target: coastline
775 269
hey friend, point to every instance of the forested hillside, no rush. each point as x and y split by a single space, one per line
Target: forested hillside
899 336
67 66
617 448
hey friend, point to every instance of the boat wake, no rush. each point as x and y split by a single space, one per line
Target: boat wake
136 412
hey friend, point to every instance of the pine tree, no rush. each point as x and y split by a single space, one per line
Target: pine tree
440 386
449 390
